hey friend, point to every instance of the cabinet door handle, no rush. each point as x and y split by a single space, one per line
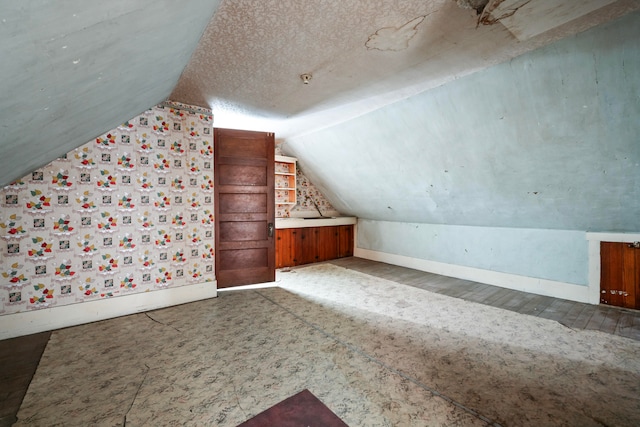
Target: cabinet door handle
270 228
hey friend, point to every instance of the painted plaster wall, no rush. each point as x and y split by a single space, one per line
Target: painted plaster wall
548 140
126 213
528 155
544 254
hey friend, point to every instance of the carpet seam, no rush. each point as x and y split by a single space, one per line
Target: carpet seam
383 364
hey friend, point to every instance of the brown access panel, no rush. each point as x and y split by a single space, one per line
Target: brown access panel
620 274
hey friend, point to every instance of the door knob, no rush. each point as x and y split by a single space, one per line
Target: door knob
270 228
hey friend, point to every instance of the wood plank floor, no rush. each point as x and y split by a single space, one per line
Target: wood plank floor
574 315
19 357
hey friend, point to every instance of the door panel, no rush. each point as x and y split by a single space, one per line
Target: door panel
237 145
242 203
242 175
243 230
244 258
245 207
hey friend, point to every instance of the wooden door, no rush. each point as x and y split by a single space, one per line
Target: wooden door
620 274
244 207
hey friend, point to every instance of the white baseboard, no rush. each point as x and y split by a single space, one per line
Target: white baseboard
31 322
516 282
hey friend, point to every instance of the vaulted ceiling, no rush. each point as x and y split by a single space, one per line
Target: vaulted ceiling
76 69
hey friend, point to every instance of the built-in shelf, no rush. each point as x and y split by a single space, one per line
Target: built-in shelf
285 180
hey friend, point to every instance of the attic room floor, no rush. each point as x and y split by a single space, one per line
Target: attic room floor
373 350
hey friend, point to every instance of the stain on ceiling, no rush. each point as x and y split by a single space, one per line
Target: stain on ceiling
73 70
393 38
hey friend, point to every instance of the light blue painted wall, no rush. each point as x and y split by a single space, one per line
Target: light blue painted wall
557 255
503 170
549 140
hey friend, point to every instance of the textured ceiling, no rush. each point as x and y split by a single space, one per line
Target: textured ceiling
362 54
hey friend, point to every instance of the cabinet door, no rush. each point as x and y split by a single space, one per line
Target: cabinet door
327 243
297 241
345 244
306 245
284 248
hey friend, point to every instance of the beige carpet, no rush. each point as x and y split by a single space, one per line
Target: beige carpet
375 352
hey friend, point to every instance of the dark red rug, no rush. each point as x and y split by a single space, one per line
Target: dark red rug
300 410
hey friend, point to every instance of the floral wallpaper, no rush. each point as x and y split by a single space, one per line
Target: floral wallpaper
131 211
307 198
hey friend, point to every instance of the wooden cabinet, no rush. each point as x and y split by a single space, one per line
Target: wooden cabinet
285 180
298 246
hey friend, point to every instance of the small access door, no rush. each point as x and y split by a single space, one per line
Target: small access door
244 207
620 274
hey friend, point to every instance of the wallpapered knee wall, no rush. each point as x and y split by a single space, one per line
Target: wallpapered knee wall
131 211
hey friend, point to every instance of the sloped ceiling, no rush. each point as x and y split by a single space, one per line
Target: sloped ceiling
71 70
77 69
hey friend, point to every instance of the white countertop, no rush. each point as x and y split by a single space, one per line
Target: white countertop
314 222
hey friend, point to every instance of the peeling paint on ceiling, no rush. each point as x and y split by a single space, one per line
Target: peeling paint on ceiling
477 5
528 18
